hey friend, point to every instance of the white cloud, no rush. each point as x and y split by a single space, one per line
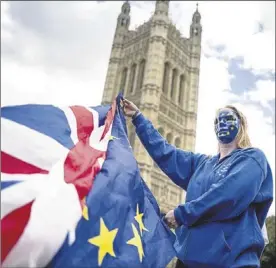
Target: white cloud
263 93
6 21
235 25
25 84
57 52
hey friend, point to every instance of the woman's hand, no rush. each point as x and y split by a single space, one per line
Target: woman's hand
170 220
129 108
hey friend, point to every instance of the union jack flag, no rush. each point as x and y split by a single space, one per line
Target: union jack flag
72 194
49 159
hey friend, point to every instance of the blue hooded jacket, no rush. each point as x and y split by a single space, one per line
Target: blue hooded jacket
227 201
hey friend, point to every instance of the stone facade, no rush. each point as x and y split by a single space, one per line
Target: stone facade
158 70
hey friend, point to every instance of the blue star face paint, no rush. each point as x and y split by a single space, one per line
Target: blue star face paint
227 126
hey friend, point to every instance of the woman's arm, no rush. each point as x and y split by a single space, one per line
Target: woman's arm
177 164
230 196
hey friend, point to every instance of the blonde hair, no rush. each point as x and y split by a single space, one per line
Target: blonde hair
243 140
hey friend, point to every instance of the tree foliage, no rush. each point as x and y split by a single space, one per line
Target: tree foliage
269 255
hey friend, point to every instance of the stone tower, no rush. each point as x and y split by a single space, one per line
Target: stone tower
158 70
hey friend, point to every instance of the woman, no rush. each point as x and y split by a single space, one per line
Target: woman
228 195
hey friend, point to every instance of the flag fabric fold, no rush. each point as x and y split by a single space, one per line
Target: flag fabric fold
72 194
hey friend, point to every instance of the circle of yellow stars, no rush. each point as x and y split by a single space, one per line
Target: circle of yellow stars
105 240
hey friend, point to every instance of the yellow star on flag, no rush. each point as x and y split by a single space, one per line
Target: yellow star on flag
104 241
85 210
139 219
113 138
137 242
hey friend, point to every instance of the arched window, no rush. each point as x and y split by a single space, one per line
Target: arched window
155 189
132 139
165 78
161 131
181 89
123 81
141 74
173 84
173 196
132 78
177 142
169 137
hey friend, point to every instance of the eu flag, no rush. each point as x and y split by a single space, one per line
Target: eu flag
121 224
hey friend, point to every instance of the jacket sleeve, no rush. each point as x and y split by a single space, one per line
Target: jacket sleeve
177 164
227 198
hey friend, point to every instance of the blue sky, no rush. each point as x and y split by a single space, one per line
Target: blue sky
57 52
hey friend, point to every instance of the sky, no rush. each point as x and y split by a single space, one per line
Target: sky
57 53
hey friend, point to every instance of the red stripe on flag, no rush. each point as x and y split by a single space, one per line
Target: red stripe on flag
13 165
12 227
109 118
85 122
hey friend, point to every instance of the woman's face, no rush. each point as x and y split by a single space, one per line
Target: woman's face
227 126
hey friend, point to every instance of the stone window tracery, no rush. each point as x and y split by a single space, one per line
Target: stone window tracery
141 74
181 89
177 142
173 82
165 77
169 137
132 78
123 80
132 139
155 189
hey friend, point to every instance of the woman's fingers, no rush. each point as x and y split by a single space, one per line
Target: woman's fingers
127 101
128 107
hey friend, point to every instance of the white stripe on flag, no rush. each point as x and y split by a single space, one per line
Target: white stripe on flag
103 144
72 123
21 177
101 161
98 130
29 145
21 193
96 136
95 115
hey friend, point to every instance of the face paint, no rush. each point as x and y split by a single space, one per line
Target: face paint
227 126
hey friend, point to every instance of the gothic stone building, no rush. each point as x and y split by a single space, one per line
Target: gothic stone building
158 70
